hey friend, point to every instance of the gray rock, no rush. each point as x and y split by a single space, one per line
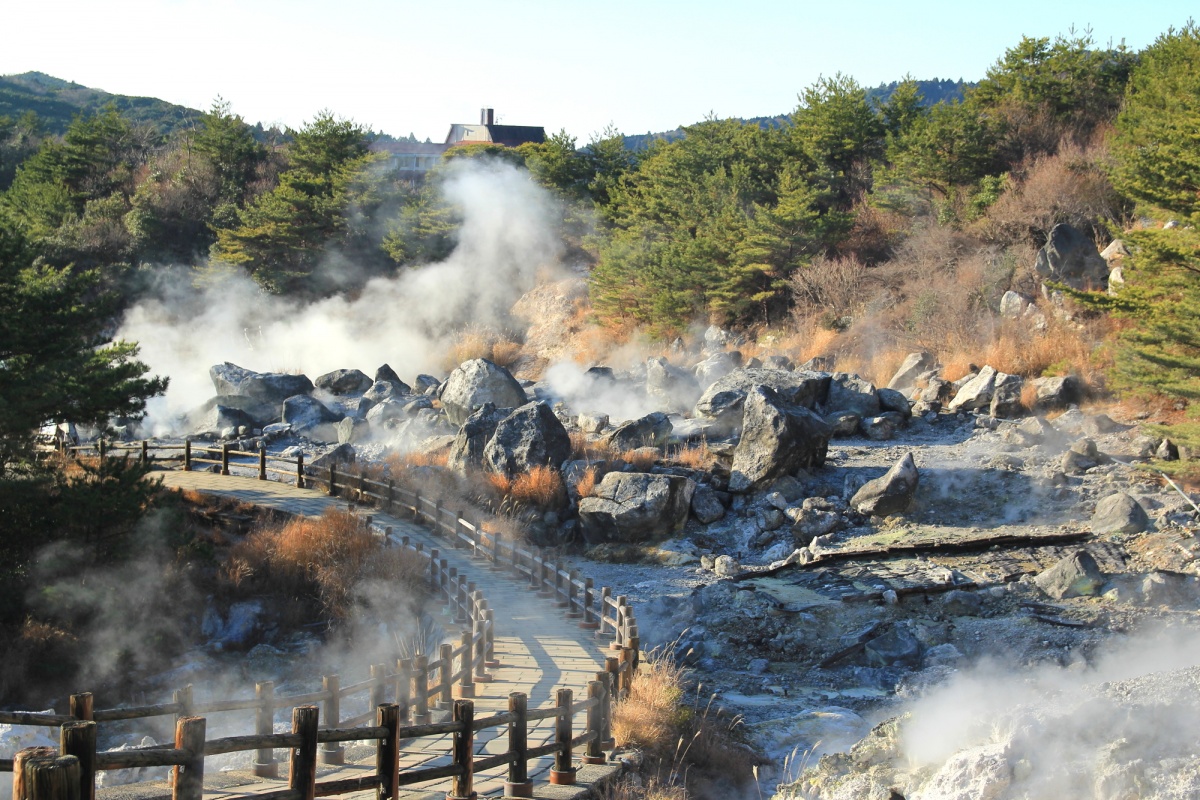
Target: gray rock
530 436
1075 575
351 430
652 430
892 400
310 417
878 429
477 382
791 489
726 566
472 438
1057 393
426 384
758 666
225 411
344 382
675 388
852 393
342 455
1167 451
706 506
1006 396
635 507
976 393
959 603
913 366
724 399
1082 456
1119 513
1071 257
777 362
386 373
843 423
386 390
898 646
778 437
711 369
591 423
385 411
1099 424
716 338
890 493
1012 305
935 390
265 387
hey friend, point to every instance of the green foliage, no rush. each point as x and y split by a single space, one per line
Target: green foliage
1156 154
837 132
57 103
947 147
226 142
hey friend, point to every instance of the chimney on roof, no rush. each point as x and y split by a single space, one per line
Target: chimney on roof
487 116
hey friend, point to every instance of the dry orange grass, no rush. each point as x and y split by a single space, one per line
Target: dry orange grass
648 717
695 456
1061 349
586 485
642 458
505 352
630 789
475 343
541 486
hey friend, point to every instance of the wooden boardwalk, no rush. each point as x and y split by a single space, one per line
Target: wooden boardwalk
538 649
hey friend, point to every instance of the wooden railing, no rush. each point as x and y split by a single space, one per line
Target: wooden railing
42 775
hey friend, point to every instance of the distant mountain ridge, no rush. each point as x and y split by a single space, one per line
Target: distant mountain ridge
935 90
57 102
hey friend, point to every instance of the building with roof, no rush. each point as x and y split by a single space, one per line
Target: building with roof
412 160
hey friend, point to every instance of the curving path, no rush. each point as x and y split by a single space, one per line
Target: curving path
539 651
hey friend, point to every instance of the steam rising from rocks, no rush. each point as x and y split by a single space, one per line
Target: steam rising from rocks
507 238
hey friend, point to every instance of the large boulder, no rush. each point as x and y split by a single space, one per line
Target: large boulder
1119 513
778 438
1075 575
635 506
1006 396
208 418
385 390
1054 394
386 373
914 366
531 436
723 400
715 367
890 493
977 392
265 387
310 417
652 430
1070 257
675 388
477 382
472 438
852 393
344 382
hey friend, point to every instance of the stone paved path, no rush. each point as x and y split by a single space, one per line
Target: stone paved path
538 649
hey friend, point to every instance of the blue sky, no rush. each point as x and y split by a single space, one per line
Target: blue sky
407 67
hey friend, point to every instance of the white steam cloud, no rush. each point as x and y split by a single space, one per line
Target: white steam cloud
507 238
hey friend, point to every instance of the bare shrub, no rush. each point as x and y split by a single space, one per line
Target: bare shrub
832 287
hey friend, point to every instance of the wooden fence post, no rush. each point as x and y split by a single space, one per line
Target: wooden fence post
264 723
606 681
145 454
462 616
589 622
182 698
462 786
561 598
518 783
404 688
225 448
387 753
79 739
595 724
331 685
612 667
619 628
378 685
302 772
332 479
391 496
300 470
40 773
187 780
480 635
573 610
420 689
446 675
605 596
563 772
103 451
262 461
187 455
466 666
81 705
489 657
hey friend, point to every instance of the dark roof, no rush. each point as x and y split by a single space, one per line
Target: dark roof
513 135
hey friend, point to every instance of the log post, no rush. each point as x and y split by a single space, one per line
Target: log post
182 698
480 636
81 705
187 780
225 448
145 454
187 455
420 689
332 479
466 666
561 599
299 470
302 772
378 684
462 617
264 724
40 773
391 496
331 685
489 653
387 753
595 724
518 783
362 484
612 667
404 688
79 739
446 676
573 609
589 623
635 644
434 554
619 628
563 772
626 679
103 451
497 549
605 596
262 461
443 575
448 589
544 588
535 583
606 681
462 785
